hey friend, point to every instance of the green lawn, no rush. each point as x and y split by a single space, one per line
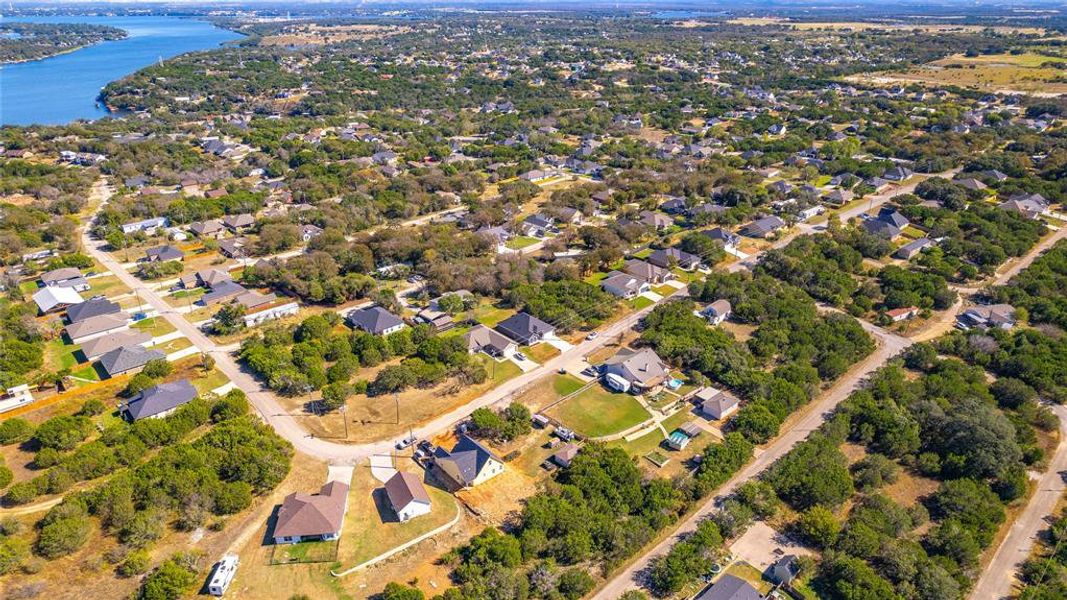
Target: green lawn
173 345
664 290
28 287
540 352
596 278
154 326
566 385
87 372
304 552
490 315
107 285
598 412
643 445
194 293
59 355
520 242
644 253
641 302
501 371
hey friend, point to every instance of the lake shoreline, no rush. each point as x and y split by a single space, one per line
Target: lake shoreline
66 86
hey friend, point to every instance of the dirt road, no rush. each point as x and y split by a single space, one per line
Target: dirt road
999 577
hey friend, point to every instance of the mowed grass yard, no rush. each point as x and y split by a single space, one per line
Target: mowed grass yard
371 527
598 412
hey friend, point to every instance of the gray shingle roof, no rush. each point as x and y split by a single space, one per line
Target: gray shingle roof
93 307
730 587
160 398
126 358
373 320
524 327
465 460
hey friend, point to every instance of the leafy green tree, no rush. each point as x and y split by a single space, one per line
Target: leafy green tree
819 526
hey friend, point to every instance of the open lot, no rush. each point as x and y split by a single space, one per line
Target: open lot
995 72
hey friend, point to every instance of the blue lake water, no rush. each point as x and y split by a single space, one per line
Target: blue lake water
64 88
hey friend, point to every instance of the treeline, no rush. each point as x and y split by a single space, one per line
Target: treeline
1039 288
596 513
830 268
186 484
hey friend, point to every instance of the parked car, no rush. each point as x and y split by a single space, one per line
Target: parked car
520 356
404 443
592 335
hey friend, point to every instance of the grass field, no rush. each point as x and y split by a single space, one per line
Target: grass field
107 285
1023 72
598 412
642 302
566 385
489 315
304 552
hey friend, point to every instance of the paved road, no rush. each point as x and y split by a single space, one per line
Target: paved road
889 346
998 579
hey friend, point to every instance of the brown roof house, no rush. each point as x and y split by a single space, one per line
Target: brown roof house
407 496
482 339
320 516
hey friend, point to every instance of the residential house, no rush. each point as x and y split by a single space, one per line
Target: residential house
902 314
899 173
1001 316
647 271
407 496
234 247
1030 206
94 327
569 215
222 291
93 307
207 278
304 517
888 224
483 339
97 347
309 232
468 464
163 254
375 320
784 570
238 223
972 184
913 248
160 400
538 225
838 197
127 359
149 226
655 220
624 285
763 228
212 228
565 455
718 311
268 312
49 299
440 321
730 240
716 404
525 328
673 206
668 257
67 277
730 587
498 235
634 370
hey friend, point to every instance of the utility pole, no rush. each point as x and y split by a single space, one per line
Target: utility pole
396 400
344 417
